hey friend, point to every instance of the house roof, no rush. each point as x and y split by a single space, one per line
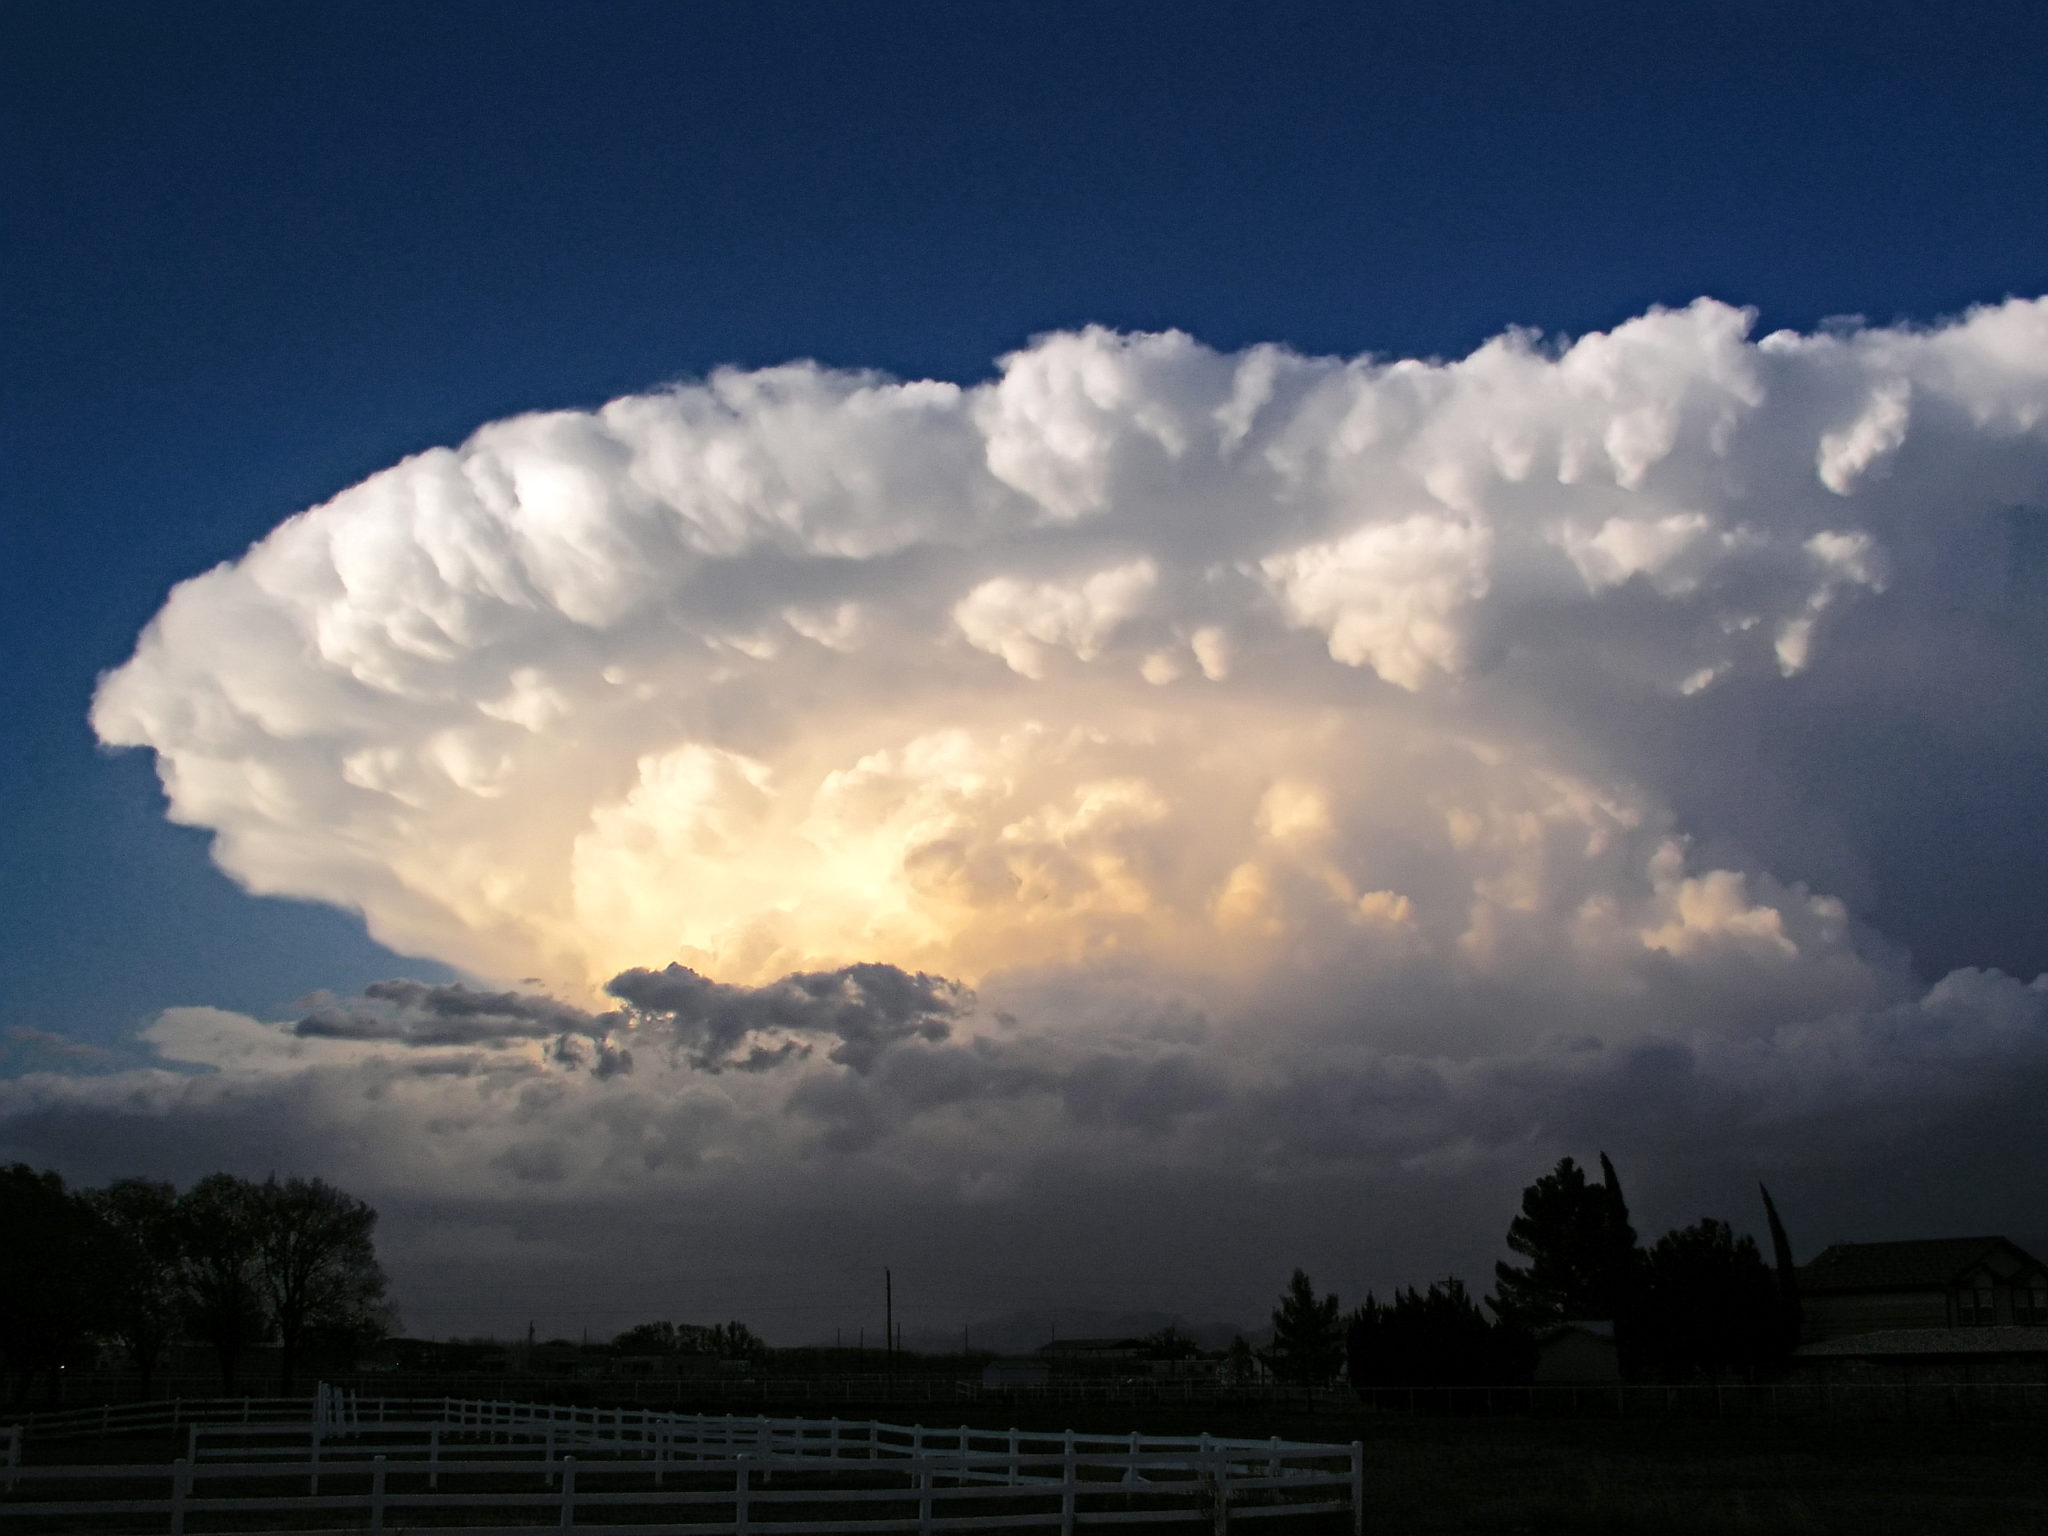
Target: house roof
1592 1329
1928 1264
1092 1347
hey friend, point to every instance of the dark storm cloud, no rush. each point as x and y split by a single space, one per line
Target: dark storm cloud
865 1008
860 1010
1207 1173
424 1014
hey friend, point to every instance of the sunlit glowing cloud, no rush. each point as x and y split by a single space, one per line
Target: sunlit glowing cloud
1135 653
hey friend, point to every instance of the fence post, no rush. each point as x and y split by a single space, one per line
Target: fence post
433 1457
1222 1470
1131 1469
1067 1488
1358 1487
181 1479
548 1456
739 1496
377 1494
1273 1465
314 1457
568 1492
192 1442
1016 1466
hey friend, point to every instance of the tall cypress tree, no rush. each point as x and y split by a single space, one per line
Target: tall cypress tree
1791 1317
1624 1265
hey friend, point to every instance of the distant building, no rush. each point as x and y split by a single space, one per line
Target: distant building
1015 1373
1944 1282
1094 1357
1580 1354
1950 1309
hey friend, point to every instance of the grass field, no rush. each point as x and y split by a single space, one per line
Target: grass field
1580 1477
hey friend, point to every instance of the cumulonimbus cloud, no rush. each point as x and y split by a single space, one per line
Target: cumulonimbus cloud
1325 773
1135 653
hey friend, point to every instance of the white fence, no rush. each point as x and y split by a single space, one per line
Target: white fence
435 1463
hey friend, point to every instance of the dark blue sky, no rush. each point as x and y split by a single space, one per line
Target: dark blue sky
255 252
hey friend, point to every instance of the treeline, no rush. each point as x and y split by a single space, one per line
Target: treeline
722 1341
229 1264
1699 1304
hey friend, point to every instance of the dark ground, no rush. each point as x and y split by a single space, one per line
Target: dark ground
1602 1477
1659 1477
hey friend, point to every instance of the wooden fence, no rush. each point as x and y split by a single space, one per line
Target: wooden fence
441 1463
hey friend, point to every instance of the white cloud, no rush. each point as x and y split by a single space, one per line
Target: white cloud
1020 620
476 696
1392 596
1414 717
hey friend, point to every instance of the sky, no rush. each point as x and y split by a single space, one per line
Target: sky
1088 651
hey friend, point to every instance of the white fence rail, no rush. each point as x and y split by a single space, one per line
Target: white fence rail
438 1462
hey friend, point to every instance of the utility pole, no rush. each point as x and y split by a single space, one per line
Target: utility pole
889 1325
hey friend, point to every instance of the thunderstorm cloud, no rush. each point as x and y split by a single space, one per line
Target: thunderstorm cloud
1348 769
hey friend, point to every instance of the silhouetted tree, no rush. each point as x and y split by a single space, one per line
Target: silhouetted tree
1434 1338
316 1267
219 1235
52 1260
143 1278
1308 1340
1240 1367
734 1341
1169 1343
1791 1316
663 1338
1711 1306
1581 1251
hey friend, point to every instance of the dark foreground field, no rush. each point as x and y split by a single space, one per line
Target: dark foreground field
1602 1477
1605 1478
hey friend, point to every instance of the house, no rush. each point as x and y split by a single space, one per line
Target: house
1936 1283
1580 1354
1950 1309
